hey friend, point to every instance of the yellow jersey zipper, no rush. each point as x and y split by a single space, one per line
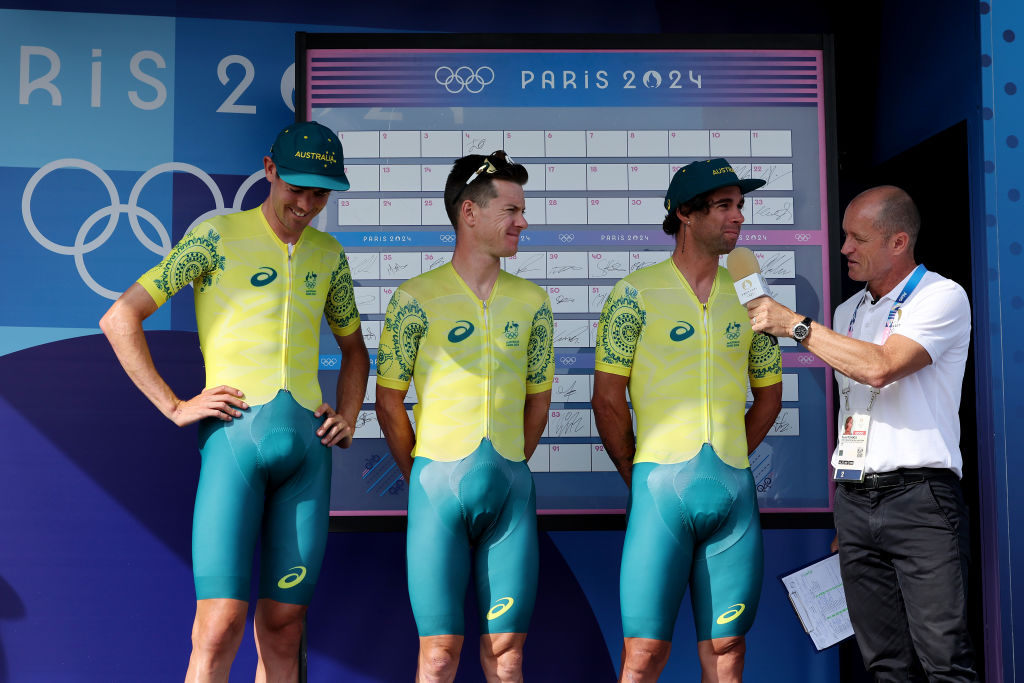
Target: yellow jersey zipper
487 371
707 377
287 317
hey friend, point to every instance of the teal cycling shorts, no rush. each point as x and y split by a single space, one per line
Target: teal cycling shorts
264 472
481 509
692 523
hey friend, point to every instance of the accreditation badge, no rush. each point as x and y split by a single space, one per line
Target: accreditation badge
850 456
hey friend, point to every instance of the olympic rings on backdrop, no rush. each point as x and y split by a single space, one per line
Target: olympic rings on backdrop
464 78
112 212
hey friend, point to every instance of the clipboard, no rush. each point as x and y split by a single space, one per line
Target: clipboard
815 591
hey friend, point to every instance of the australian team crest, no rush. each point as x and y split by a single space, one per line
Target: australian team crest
732 335
311 283
511 334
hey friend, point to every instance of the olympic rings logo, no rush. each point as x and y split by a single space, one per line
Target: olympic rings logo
328 361
447 237
566 237
567 360
801 237
83 244
805 358
464 78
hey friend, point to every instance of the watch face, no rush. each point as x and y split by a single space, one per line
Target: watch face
800 331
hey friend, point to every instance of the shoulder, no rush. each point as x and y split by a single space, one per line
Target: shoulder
941 296
650 277
523 289
323 240
429 285
239 224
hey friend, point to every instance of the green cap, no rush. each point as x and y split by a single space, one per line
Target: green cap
704 176
309 155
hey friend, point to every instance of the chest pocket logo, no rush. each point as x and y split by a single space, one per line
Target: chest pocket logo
683 330
462 330
263 277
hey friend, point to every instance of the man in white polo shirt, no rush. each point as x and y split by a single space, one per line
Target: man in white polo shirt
899 350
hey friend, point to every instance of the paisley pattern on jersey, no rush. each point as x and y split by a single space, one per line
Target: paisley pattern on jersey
540 353
340 307
764 357
623 319
195 257
405 324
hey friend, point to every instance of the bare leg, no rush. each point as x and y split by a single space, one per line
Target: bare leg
501 656
278 630
439 659
721 659
216 633
643 659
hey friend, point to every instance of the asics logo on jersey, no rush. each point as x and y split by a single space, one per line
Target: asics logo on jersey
500 606
462 329
681 331
731 614
263 277
293 578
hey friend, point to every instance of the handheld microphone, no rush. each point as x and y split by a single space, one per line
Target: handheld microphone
747 279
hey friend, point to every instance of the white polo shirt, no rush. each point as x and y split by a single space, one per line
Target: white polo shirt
915 421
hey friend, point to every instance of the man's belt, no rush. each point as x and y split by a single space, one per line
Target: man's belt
900 477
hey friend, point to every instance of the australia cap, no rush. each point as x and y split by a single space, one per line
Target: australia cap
308 154
704 176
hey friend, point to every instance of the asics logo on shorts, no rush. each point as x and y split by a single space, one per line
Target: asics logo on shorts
683 330
462 329
264 276
731 614
294 578
500 606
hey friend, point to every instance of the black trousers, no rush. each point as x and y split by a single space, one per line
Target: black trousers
904 551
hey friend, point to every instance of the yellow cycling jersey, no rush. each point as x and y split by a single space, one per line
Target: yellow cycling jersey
259 302
686 363
473 361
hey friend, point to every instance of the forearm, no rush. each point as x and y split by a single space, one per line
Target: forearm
762 414
351 387
535 418
123 328
615 426
398 432
861 361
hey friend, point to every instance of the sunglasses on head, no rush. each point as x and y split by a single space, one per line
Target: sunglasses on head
492 162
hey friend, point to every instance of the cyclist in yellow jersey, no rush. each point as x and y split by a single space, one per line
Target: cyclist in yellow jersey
478 343
262 281
677 336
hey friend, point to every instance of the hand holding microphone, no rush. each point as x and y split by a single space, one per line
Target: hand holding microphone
751 287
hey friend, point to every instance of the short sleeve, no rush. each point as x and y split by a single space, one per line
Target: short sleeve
405 323
618 330
938 318
194 259
340 307
764 362
540 353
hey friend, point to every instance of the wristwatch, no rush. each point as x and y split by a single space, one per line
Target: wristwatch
802 329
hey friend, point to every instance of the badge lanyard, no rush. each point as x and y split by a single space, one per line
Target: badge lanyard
851 452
